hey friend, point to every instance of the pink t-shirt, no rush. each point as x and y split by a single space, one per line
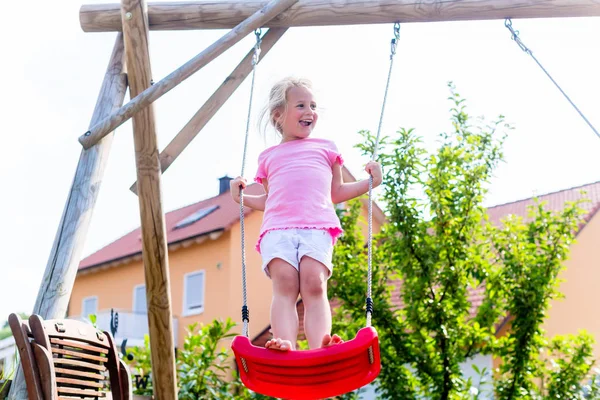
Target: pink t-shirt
299 174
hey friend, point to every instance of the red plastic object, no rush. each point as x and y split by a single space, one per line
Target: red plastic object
309 374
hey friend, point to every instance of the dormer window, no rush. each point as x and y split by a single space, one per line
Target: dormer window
198 215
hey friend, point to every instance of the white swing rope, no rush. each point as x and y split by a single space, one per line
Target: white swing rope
245 312
369 301
517 39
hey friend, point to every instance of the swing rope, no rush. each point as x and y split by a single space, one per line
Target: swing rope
369 301
517 39
245 311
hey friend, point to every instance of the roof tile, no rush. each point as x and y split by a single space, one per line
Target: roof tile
555 201
221 219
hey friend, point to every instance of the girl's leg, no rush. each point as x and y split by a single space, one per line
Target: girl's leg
284 315
317 312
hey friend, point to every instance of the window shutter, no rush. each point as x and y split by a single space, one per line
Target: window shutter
139 300
90 306
194 291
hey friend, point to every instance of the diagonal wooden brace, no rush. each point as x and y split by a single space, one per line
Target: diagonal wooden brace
214 103
154 92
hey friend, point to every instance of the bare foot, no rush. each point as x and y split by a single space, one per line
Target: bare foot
279 344
329 340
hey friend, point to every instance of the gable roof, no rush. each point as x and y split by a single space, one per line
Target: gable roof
226 214
211 226
555 201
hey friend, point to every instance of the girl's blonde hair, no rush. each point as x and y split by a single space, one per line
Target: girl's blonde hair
278 100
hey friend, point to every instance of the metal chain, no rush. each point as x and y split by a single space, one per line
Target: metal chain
517 39
245 312
394 43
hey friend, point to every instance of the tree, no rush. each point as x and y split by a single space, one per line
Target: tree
439 245
203 365
5 329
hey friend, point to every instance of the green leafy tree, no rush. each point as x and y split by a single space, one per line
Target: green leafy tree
5 329
5 332
568 366
532 256
141 366
202 366
439 245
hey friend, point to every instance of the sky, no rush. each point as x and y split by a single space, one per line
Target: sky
52 72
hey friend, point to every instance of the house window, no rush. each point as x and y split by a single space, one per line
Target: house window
89 306
139 300
193 293
198 215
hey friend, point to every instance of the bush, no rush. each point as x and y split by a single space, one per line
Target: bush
204 369
439 244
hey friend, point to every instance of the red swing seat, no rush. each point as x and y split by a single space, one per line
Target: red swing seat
310 374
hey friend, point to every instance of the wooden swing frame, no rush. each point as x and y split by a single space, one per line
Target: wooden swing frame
129 65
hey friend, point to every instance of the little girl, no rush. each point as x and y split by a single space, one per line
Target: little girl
302 177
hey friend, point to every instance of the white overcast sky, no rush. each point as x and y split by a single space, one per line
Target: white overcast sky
52 72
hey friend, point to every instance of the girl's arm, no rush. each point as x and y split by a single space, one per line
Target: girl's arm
343 191
256 202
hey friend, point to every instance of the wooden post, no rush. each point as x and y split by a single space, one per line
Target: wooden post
214 103
57 283
154 92
154 235
225 14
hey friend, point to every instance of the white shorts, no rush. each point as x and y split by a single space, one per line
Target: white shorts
292 244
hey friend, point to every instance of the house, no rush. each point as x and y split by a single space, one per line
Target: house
204 253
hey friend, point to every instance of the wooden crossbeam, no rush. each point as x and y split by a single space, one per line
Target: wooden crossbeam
154 234
148 96
225 14
214 103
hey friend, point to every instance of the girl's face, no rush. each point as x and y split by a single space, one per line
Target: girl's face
299 117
